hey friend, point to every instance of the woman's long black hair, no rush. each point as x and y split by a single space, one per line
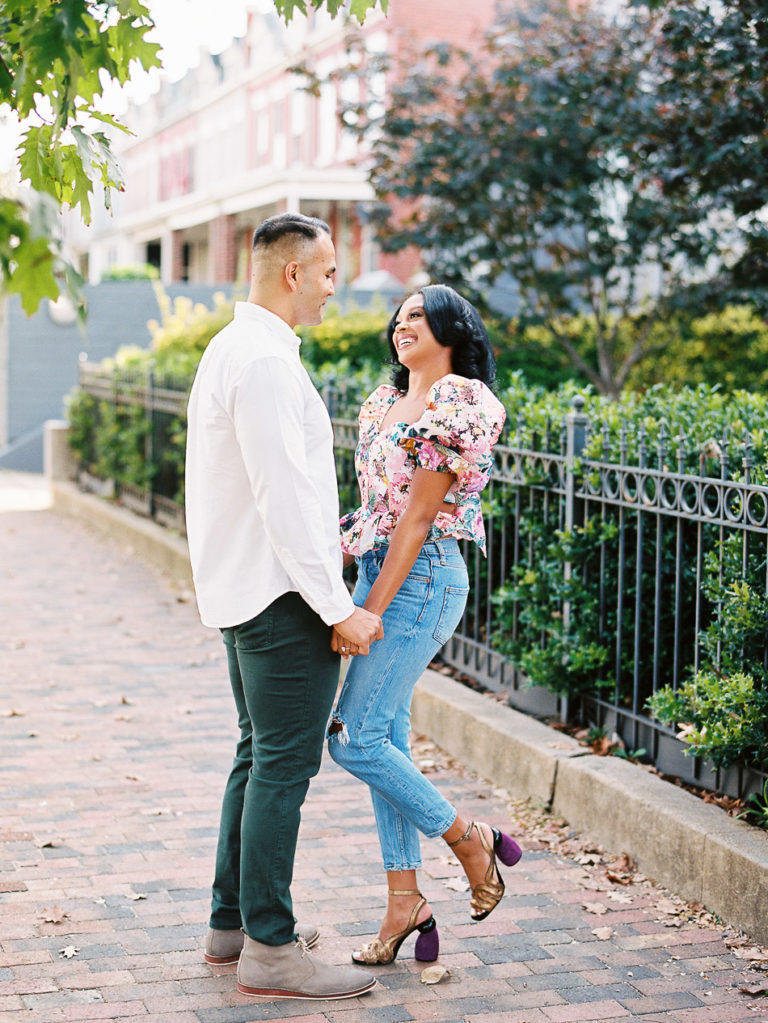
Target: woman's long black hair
457 325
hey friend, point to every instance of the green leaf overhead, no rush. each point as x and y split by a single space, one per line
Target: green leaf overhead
356 9
56 57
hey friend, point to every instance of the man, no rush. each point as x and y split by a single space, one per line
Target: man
262 521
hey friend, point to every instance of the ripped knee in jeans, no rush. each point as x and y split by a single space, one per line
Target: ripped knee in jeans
337 726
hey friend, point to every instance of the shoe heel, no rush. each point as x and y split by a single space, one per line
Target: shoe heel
506 848
428 942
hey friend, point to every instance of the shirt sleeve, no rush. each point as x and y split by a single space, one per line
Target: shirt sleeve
461 422
268 412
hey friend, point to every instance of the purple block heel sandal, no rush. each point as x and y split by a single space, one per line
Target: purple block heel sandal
379 953
488 893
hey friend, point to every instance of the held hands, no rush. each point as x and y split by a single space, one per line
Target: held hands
355 634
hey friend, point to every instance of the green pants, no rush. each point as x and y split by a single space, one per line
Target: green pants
284 677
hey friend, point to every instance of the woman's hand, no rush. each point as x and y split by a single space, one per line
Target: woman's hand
342 646
355 634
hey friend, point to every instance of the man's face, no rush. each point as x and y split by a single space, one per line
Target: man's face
315 280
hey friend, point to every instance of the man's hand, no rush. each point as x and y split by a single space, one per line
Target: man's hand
355 634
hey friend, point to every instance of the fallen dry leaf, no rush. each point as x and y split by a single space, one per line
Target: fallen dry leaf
603 933
434 974
619 878
753 954
53 916
667 906
588 859
761 988
603 746
68 951
623 864
595 907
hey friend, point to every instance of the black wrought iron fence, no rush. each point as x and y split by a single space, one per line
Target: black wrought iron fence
601 571
604 581
137 440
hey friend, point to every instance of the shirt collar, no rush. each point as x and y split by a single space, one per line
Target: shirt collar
280 329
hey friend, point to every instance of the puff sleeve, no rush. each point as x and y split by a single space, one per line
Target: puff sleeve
461 422
374 406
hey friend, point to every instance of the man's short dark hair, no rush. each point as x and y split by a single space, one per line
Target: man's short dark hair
280 226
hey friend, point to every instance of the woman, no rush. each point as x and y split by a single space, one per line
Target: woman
424 455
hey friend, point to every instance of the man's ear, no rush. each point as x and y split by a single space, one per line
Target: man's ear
291 272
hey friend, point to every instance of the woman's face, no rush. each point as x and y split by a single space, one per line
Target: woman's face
415 344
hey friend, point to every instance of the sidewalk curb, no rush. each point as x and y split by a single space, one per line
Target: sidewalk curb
691 847
162 548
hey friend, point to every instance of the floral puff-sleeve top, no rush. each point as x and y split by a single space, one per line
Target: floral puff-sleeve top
461 422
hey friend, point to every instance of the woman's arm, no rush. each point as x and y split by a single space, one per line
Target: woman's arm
425 500
347 559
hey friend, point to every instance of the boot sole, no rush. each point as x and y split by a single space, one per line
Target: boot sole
229 960
282 993
221 960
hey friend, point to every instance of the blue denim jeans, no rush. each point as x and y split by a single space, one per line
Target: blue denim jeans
370 729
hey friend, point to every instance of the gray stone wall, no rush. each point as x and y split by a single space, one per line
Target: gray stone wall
41 357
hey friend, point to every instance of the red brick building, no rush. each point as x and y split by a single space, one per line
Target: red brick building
238 139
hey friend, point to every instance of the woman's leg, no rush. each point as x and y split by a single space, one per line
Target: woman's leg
388 819
377 693
372 720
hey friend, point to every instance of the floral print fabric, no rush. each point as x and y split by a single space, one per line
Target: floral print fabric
460 424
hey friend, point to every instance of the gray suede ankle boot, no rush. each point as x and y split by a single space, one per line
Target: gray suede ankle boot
291 971
223 947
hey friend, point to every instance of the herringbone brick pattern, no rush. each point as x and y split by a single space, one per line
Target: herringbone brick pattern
116 732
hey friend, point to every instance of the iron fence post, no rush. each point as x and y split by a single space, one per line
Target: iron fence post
149 442
576 427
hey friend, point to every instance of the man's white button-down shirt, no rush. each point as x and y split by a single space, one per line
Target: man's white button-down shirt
262 504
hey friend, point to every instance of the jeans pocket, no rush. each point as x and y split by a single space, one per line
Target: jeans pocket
258 633
454 602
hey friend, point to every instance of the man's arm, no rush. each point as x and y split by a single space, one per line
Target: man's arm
268 414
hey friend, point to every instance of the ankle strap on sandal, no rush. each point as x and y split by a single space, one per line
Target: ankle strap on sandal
464 837
403 891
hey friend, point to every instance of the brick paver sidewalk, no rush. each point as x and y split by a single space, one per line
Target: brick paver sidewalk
116 734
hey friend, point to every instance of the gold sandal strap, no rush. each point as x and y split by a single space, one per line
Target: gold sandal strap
404 891
488 848
486 894
383 952
464 837
375 953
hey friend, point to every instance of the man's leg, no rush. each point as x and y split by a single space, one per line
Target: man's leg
225 901
289 675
